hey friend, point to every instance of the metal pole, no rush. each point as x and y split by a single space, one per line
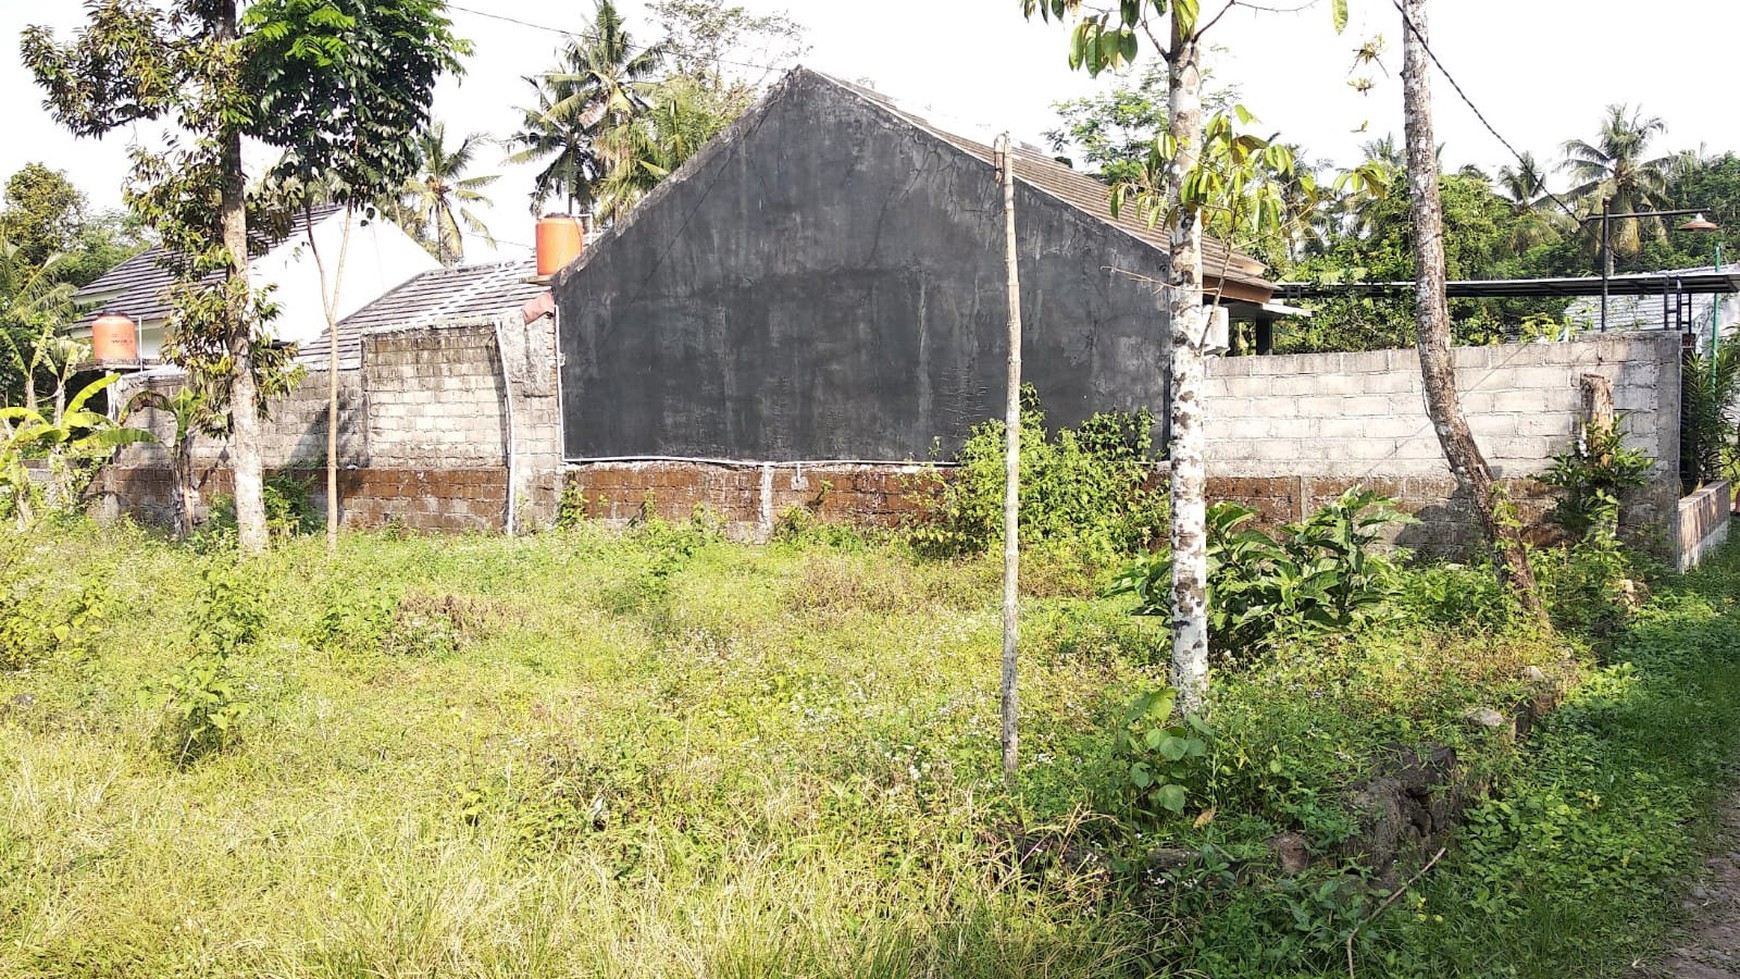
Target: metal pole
1012 475
1606 256
1716 312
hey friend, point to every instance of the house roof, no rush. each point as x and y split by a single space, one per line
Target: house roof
444 297
1243 274
1078 190
1650 309
1640 284
137 287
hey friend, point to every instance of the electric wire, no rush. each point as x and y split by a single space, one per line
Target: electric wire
1426 45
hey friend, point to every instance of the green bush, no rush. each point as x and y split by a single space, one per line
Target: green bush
1316 577
1090 490
204 696
1595 475
42 617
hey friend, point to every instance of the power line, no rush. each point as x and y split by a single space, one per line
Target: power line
588 35
1421 37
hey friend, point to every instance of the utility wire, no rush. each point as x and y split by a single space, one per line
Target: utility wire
588 35
1409 21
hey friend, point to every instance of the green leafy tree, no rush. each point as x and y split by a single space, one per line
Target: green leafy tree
440 198
380 61
1104 39
711 46
135 61
1617 167
44 212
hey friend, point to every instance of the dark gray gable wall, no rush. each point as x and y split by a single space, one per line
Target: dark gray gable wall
826 282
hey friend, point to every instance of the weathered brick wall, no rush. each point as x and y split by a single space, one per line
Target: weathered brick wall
1288 433
750 499
1701 523
423 434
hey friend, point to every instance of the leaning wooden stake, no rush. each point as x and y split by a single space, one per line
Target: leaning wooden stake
1012 462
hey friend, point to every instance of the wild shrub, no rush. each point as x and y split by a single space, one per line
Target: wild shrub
1319 576
1162 757
41 618
1455 595
365 621
290 512
571 509
1090 489
205 698
1595 476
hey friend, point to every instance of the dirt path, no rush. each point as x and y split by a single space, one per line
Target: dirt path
1709 946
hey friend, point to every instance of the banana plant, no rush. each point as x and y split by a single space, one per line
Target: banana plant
191 409
71 435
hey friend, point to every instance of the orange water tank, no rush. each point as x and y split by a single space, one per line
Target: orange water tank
560 240
114 337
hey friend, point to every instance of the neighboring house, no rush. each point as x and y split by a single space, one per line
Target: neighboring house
379 257
1670 308
448 414
825 281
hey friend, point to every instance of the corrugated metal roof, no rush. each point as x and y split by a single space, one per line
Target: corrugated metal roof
137 286
469 293
1076 189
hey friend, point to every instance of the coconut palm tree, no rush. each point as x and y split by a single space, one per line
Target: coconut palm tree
1524 188
436 201
571 168
679 119
1617 168
599 87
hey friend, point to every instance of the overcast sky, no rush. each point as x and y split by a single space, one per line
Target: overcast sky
1541 70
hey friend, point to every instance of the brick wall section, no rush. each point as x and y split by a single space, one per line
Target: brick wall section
1701 523
422 439
750 499
1288 433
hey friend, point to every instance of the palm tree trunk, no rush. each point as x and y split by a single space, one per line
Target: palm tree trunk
1432 322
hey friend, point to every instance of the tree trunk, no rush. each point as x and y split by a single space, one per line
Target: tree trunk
181 480
244 393
1188 440
1012 472
1432 323
329 303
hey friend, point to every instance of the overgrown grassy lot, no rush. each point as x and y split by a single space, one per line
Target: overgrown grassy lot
660 754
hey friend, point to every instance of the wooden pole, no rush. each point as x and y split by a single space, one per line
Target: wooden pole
1012 463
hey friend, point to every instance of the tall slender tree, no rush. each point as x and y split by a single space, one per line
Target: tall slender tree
1617 167
1432 320
377 61
133 61
1106 39
439 199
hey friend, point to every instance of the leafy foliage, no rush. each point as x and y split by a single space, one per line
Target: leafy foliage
1709 413
1596 474
1312 578
206 699
1089 490
71 439
1162 756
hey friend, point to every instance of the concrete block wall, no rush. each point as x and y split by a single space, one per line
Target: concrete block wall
1287 433
423 437
1701 523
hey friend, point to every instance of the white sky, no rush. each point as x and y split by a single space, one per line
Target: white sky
1542 71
